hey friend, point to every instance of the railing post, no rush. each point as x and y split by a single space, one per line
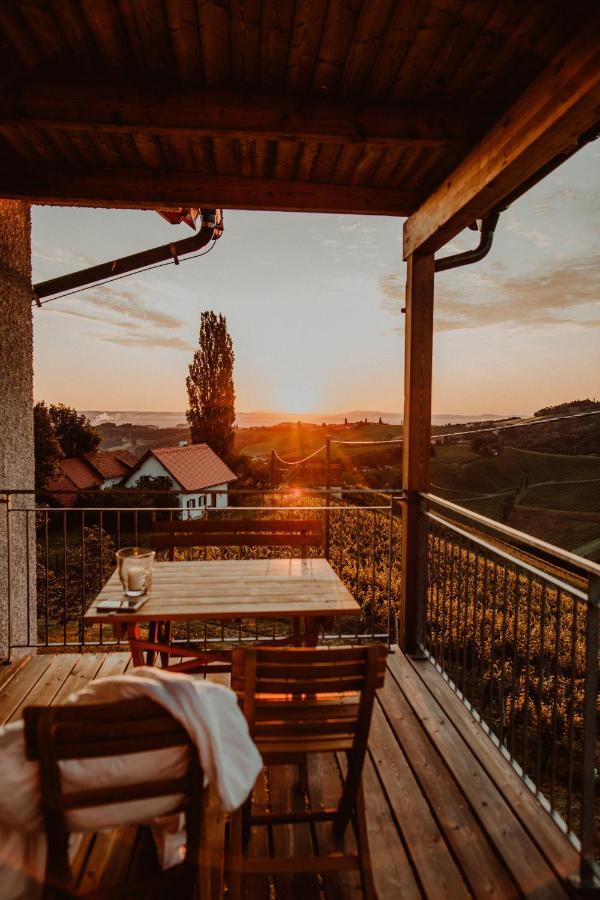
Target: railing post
588 882
327 494
389 572
272 470
416 450
7 531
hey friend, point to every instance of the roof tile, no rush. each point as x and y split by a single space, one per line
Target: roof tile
195 467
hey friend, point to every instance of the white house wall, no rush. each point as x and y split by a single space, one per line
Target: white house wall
204 499
109 483
150 467
153 468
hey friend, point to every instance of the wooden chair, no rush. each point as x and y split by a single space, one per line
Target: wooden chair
297 702
57 733
212 532
169 534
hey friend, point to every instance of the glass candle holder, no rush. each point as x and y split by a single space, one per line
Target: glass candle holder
135 570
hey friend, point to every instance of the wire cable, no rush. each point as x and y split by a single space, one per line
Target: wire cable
297 462
434 437
494 428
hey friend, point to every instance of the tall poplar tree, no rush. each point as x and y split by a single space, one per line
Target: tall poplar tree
211 413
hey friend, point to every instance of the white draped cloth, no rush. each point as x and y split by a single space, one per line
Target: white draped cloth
210 714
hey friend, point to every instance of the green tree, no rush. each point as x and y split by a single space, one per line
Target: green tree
211 413
48 451
76 435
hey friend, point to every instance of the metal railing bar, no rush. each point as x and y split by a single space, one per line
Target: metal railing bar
580 562
497 551
224 509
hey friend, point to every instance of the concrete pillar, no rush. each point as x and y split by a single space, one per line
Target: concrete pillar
17 471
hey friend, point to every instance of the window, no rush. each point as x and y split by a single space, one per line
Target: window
191 504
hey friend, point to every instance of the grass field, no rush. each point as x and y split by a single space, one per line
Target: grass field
293 441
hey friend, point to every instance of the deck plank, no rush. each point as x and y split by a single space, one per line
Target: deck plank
559 852
291 840
483 870
325 787
257 887
431 857
16 688
392 870
46 688
528 866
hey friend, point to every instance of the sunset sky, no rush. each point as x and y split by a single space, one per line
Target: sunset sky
313 307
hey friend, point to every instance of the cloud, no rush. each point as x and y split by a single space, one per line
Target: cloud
565 294
57 255
146 340
513 223
128 304
119 307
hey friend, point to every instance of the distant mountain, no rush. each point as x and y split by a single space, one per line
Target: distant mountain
263 418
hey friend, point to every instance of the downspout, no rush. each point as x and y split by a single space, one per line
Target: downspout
486 229
211 229
487 225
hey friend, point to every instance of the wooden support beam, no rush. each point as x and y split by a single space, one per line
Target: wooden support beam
546 122
203 112
149 189
416 452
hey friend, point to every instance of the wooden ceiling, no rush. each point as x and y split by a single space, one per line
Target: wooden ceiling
324 105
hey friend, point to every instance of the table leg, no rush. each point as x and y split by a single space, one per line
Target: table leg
152 633
164 637
313 625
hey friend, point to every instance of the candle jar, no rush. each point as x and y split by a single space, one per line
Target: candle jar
135 570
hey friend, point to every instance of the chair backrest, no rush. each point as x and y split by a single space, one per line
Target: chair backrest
213 532
301 700
57 733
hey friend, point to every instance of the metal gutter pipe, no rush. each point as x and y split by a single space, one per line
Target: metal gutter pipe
486 238
211 229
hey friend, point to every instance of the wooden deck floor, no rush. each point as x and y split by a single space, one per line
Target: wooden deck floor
447 816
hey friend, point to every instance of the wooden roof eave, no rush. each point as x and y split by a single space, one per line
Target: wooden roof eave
547 121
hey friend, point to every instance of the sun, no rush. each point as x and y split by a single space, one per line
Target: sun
298 397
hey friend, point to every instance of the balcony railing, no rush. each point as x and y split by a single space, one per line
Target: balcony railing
512 624
74 549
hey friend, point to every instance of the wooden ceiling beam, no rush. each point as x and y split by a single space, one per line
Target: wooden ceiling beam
202 112
147 189
546 122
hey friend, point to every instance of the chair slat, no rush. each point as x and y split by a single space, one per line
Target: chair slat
126 793
72 732
302 671
323 728
308 655
307 686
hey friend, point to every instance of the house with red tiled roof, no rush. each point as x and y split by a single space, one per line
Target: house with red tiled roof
98 470
194 469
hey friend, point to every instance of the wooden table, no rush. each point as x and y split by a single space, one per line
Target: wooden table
293 589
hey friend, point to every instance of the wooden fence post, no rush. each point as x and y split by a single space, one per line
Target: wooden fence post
418 349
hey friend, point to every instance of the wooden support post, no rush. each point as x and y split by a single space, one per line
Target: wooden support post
272 470
418 351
